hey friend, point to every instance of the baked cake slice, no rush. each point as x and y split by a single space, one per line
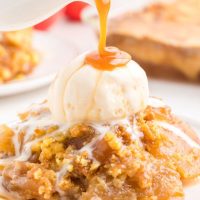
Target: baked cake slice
163 37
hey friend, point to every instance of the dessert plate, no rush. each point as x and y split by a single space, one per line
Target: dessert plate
192 192
54 53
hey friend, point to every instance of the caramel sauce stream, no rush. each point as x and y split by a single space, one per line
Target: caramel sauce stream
107 58
103 8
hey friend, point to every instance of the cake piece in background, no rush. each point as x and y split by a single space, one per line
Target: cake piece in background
17 56
163 37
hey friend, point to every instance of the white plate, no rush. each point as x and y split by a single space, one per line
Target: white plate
192 192
183 98
54 54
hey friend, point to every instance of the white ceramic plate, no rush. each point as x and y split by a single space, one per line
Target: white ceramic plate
54 54
183 98
192 192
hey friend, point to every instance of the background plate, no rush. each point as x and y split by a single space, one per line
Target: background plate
54 54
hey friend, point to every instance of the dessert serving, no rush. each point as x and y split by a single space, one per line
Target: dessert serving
17 56
98 136
163 37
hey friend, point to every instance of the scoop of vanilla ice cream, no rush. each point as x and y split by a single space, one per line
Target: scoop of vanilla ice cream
82 93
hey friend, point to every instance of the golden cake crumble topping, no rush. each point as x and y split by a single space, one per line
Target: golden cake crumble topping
144 157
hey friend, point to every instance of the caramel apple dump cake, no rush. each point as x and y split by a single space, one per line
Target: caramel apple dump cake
146 156
162 37
17 56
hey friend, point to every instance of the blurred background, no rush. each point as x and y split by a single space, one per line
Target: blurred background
163 36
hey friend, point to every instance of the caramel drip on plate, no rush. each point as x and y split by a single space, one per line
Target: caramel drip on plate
107 58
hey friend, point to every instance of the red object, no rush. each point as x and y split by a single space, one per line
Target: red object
48 22
74 9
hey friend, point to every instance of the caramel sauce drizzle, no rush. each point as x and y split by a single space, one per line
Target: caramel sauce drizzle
103 8
107 58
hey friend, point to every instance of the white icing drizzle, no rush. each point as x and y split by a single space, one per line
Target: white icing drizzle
136 130
102 130
4 193
5 161
156 103
36 107
43 121
177 131
62 172
131 127
16 143
59 177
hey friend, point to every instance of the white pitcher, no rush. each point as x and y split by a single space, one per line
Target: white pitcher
19 14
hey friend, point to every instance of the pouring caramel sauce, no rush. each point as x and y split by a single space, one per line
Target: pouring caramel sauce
106 58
